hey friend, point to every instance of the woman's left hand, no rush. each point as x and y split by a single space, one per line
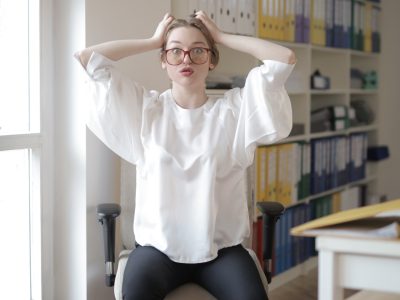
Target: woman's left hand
211 26
162 27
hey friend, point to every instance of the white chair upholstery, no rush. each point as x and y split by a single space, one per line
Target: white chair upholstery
185 292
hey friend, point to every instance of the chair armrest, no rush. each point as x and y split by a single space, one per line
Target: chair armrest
106 215
271 212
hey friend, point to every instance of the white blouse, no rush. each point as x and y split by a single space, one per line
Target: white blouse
191 163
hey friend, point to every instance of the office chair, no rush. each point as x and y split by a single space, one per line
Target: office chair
107 214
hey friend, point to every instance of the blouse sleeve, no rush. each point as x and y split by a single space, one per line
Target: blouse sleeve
263 109
114 108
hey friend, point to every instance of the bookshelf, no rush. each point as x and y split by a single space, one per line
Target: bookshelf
336 64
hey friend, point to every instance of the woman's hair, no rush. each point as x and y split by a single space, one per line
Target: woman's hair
192 21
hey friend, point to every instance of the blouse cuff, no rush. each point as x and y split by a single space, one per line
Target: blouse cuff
96 62
276 73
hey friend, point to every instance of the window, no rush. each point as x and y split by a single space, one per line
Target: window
20 150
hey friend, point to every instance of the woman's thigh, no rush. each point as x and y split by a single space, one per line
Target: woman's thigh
151 275
233 275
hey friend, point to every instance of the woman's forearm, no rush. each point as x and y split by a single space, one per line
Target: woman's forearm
258 48
116 50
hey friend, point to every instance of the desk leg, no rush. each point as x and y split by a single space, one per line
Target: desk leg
328 281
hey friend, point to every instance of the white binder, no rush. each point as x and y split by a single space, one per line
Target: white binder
246 17
212 9
193 6
226 15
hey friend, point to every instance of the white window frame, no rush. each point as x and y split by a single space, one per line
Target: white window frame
40 144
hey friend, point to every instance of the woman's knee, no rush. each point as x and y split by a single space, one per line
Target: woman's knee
148 275
233 275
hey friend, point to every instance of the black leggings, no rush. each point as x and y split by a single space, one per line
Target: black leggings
233 275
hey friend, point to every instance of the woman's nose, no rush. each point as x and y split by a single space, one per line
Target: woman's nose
186 58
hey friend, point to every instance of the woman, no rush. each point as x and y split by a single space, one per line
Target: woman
191 153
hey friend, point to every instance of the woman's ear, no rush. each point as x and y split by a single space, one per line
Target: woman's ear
211 67
163 65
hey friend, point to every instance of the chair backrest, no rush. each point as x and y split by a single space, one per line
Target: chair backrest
128 192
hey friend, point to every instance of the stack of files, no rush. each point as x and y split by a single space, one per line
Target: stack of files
262 178
321 120
281 19
306 21
351 198
299 21
376 38
365 35
330 118
281 173
374 221
304 184
368 27
246 17
358 156
223 81
285 20
371 31
342 20
265 23
219 81
232 16
290 20
270 19
317 22
288 173
292 172
348 199
320 207
302 18
331 163
329 22
357 25
346 11
340 119
290 251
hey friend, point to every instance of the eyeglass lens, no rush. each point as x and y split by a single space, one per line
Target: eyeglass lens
176 56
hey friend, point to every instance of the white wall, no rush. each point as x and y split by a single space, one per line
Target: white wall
389 183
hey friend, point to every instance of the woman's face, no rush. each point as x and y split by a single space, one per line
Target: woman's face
187 73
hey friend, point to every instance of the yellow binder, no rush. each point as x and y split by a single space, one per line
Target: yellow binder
261 177
368 27
271 173
263 19
283 183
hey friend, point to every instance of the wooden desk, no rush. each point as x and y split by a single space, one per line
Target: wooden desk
357 263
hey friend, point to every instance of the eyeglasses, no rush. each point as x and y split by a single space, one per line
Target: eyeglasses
176 56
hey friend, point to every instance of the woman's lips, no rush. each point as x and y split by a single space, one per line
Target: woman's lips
186 72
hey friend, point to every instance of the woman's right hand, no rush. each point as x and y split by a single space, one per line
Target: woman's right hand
161 29
211 26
